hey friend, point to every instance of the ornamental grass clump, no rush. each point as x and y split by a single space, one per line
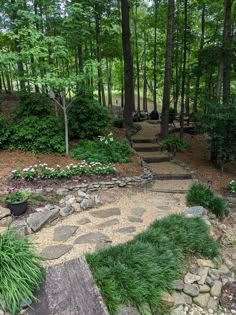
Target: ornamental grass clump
201 195
20 271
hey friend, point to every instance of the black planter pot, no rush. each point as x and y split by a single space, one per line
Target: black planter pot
18 208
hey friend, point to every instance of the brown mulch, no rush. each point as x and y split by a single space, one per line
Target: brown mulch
10 160
197 158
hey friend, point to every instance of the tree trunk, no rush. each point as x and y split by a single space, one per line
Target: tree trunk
227 51
109 84
199 70
66 124
184 68
168 64
128 65
144 77
155 59
137 56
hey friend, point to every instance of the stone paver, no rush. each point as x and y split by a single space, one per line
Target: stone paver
126 230
38 219
93 237
108 223
105 213
64 232
4 212
55 251
83 221
135 219
137 212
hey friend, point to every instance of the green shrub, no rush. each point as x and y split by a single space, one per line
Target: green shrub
118 122
87 119
20 271
32 104
38 135
5 131
176 143
103 150
138 271
232 186
201 195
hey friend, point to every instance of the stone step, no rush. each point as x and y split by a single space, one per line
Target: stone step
147 149
171 185
167 168
147 140
172 176
69 289
157 159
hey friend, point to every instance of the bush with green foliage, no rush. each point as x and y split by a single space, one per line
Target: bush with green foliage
201 195
118 122
232 186
38 135
87 118
138 271
20 271
103 150
5 131
174 144
32 104
219 122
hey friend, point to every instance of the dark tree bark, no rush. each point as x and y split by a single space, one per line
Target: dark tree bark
168 63
184 67
155 59
128 65
137 56
199 70
144 77
227 51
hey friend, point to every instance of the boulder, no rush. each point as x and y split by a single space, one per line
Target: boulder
38 219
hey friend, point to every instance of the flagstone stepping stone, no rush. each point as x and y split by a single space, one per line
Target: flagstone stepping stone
38 219
92 237
83 221
135 219
102 245
64 232
128 310
126 230
55 251
138 212
105 213
108 223
4 212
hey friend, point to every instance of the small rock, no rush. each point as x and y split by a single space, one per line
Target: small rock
229 263
178 311
216 289
128 310
213 304
205 263
67 210
188 299
203 272
202 299
70 201
4 212
178 285
49 207
126 230
49 189
167 299
214 274
204 288
76 207
87 204
197 211
209 281
38 219
178 298
223 270
191 278
135 219
82 194
191 289
83 221
215 233
98 200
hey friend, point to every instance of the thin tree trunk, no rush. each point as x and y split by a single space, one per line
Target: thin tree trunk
109 84
199 71
168 64
128 65
137 56
155 59
144 77
220 80
184 68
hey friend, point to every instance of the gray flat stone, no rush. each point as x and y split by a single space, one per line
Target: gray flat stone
38 219
92 237
203 272
178 285
67 210
64 232
126 230
213 304
135 219
197 211
87 204
128 310
202 299
216 289
106 213
179 299
55 251
4 212
108 223
83 221
138 212
191 289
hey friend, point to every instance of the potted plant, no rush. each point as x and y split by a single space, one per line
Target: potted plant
16 200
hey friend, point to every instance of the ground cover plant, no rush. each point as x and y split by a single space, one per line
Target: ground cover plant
104 149
20 271
201 195
138 271
232 186
174 143
43 171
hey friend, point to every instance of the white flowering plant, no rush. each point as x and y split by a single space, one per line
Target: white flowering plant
232 186
43 171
